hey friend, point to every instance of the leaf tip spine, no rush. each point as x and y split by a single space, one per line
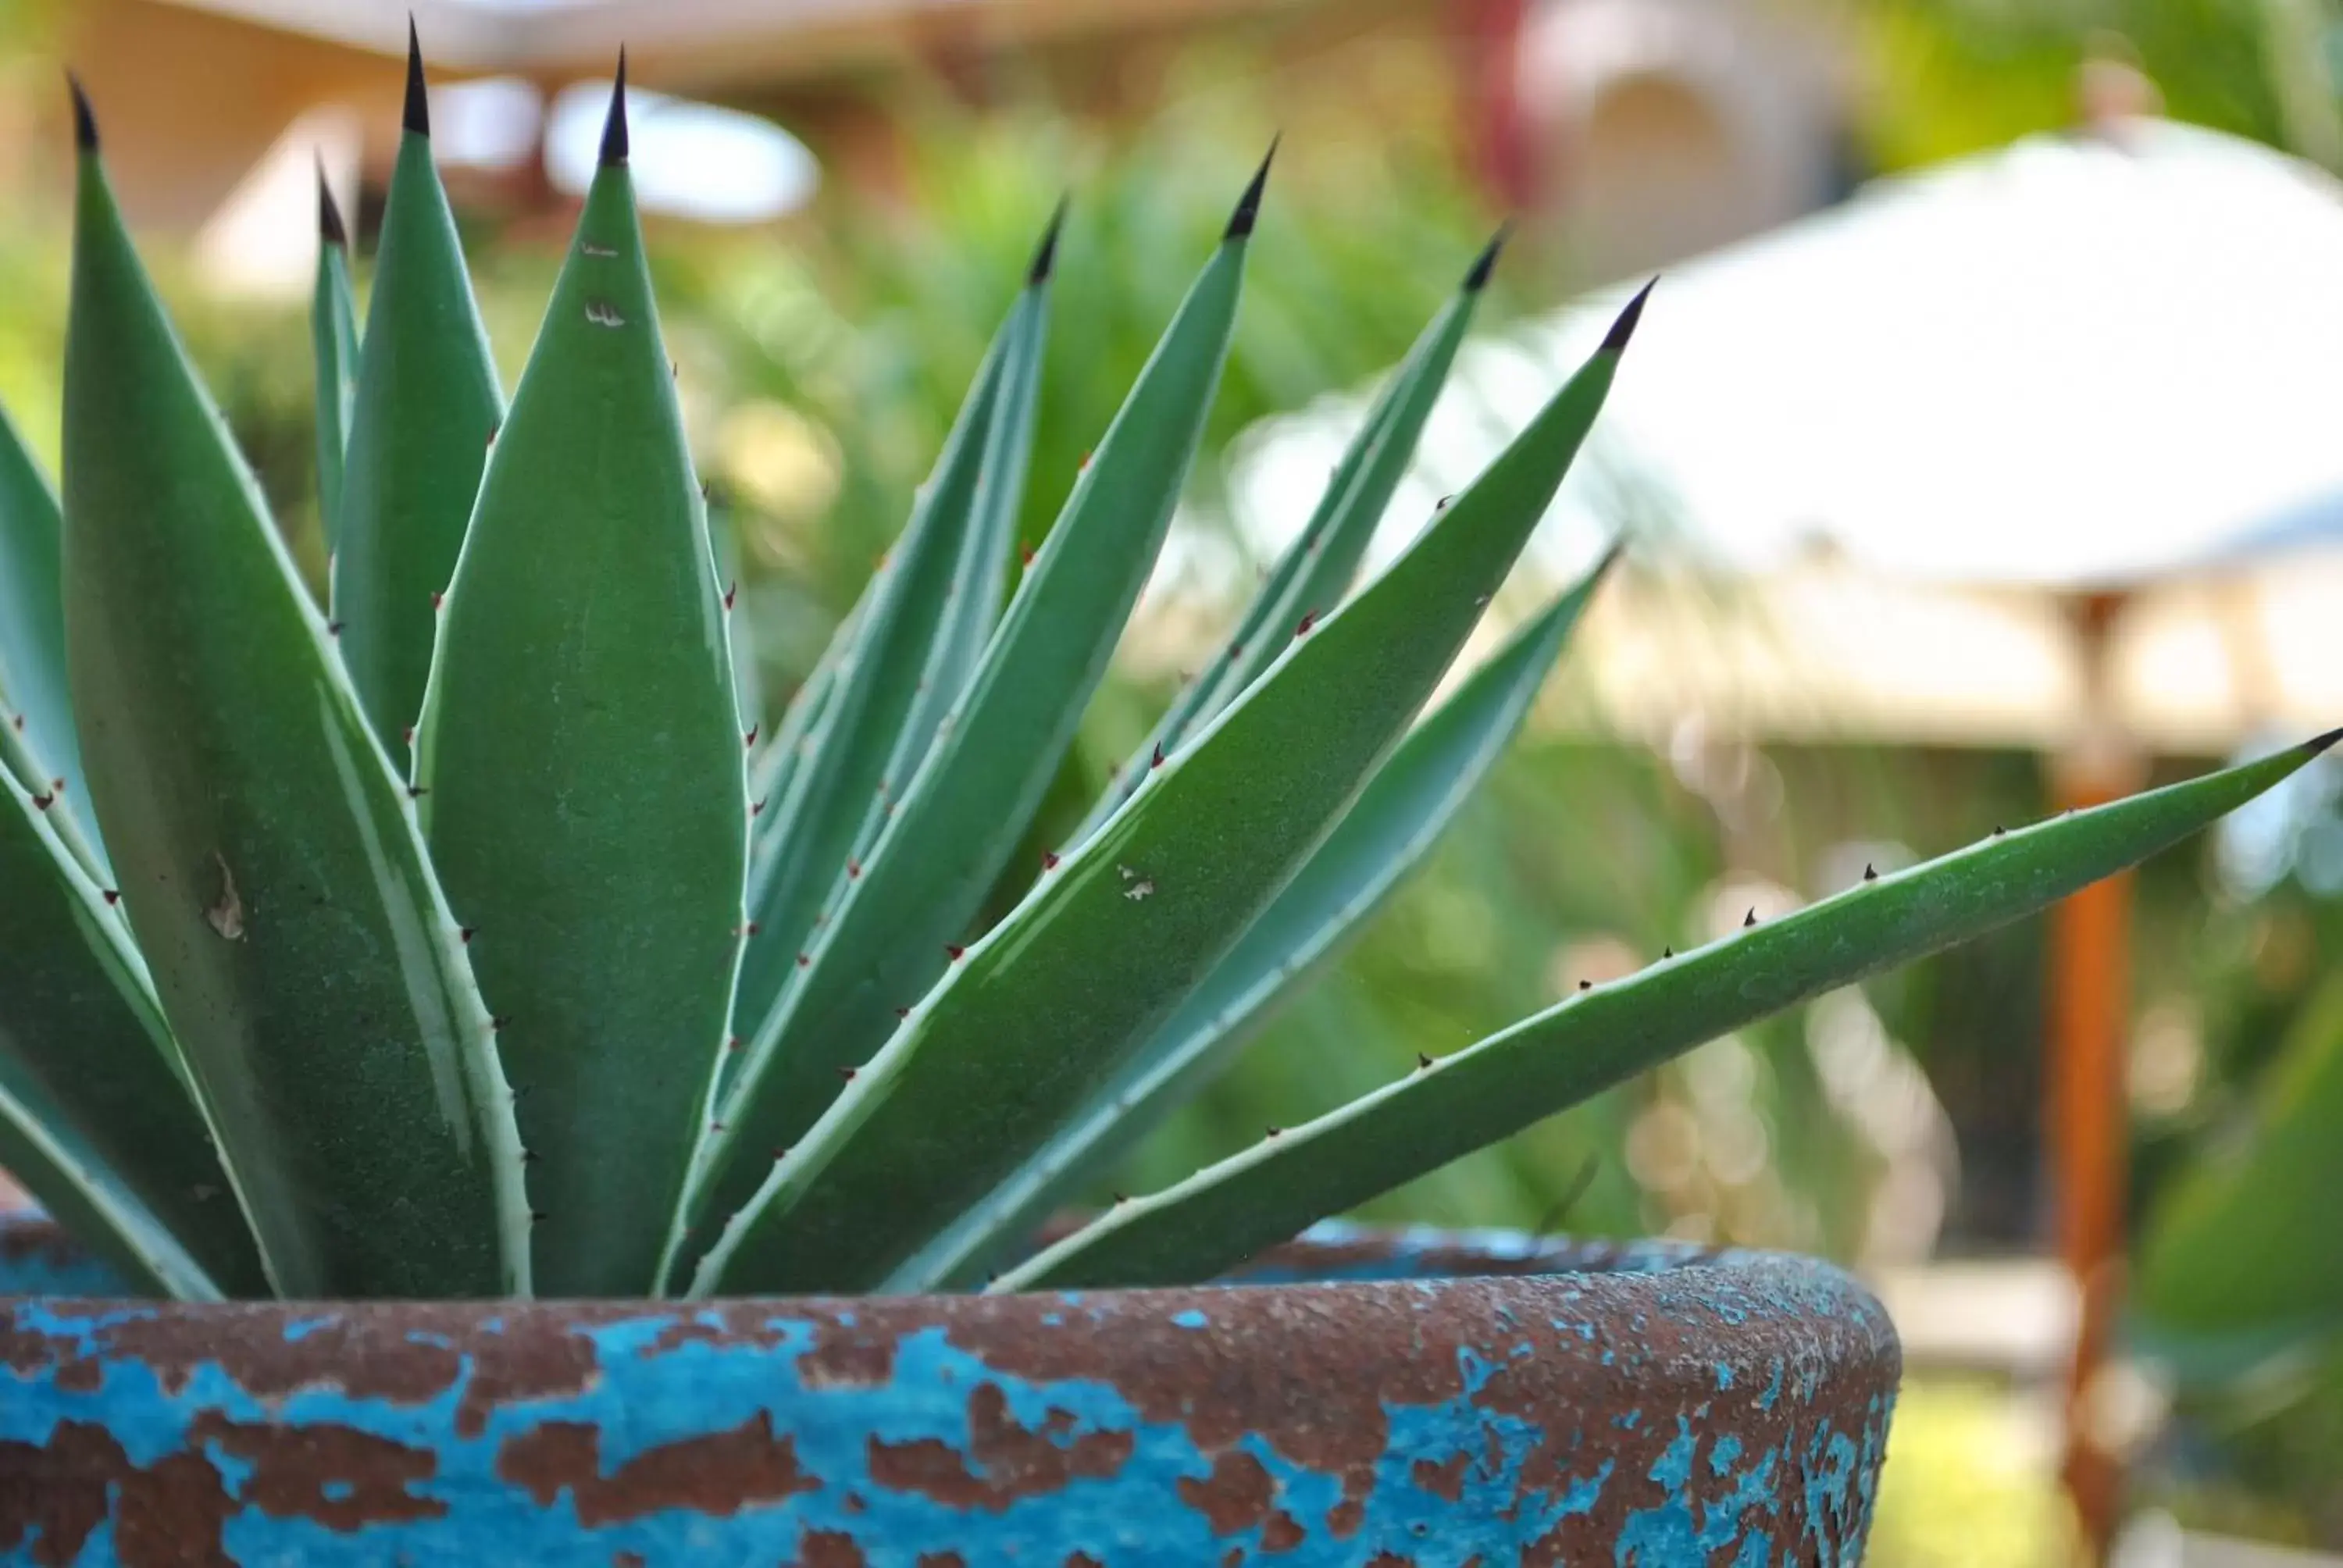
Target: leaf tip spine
1623 330
2318 743
329 216
1045 257
1248 213
614 124
417 117
1486 264
84 119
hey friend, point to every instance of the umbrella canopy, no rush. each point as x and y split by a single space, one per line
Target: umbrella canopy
2086 361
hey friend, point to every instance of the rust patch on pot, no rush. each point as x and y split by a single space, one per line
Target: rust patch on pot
1283 1534
1004 1461
720 1472
1236 1497
847 1357
296 1471
168 1516
1446 1479
831 1549
942 1560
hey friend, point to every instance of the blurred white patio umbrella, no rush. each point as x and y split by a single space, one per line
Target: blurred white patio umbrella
2088 363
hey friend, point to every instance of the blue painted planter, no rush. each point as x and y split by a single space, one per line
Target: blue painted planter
1426 1399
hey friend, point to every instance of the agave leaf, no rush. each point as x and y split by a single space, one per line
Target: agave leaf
67 1179
773 765
333 334
1394 823
1225 1213
40 747
747 674
581 763
426 408
982 572
878 710
68 817
79 1030
960 816
262 838
1036 1018
1315 570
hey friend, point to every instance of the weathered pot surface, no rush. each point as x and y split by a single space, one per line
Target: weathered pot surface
1431 1399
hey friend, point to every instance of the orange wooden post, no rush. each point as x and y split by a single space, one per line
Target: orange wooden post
2088 1125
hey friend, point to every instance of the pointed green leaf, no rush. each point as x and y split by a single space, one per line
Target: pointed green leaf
1316 569
974 606
78 1021
41 745
747 674
772 765
269 863
995 754
880 694
426 409
1224 1214
1394 823
584 777
68 816
73 1185
334 334
1036 1018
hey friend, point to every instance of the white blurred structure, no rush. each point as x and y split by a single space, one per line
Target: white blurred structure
1905 427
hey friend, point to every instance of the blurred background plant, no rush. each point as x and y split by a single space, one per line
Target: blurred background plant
823 344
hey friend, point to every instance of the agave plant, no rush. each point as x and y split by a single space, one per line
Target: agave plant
463 937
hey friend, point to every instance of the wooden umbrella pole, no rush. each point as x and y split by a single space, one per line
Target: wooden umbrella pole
2088 1130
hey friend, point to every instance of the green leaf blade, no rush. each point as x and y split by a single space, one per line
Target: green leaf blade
1341 887
425 409
994 754
79 1030
261 839
41 747
333 343
843 762
1225 1213
584 772
1039 1014
1315 571
41 1150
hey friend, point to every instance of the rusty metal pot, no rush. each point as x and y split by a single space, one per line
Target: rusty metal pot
1360 1397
